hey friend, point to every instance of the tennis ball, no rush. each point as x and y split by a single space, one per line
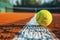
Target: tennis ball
44 17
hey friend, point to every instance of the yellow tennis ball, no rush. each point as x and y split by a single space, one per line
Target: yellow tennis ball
44 17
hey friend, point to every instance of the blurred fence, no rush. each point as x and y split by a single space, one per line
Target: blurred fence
30 9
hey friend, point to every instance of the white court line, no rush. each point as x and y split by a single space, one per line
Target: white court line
31 22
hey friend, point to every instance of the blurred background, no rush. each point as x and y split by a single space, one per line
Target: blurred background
29 5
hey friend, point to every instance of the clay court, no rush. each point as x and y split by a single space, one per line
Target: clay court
21 18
